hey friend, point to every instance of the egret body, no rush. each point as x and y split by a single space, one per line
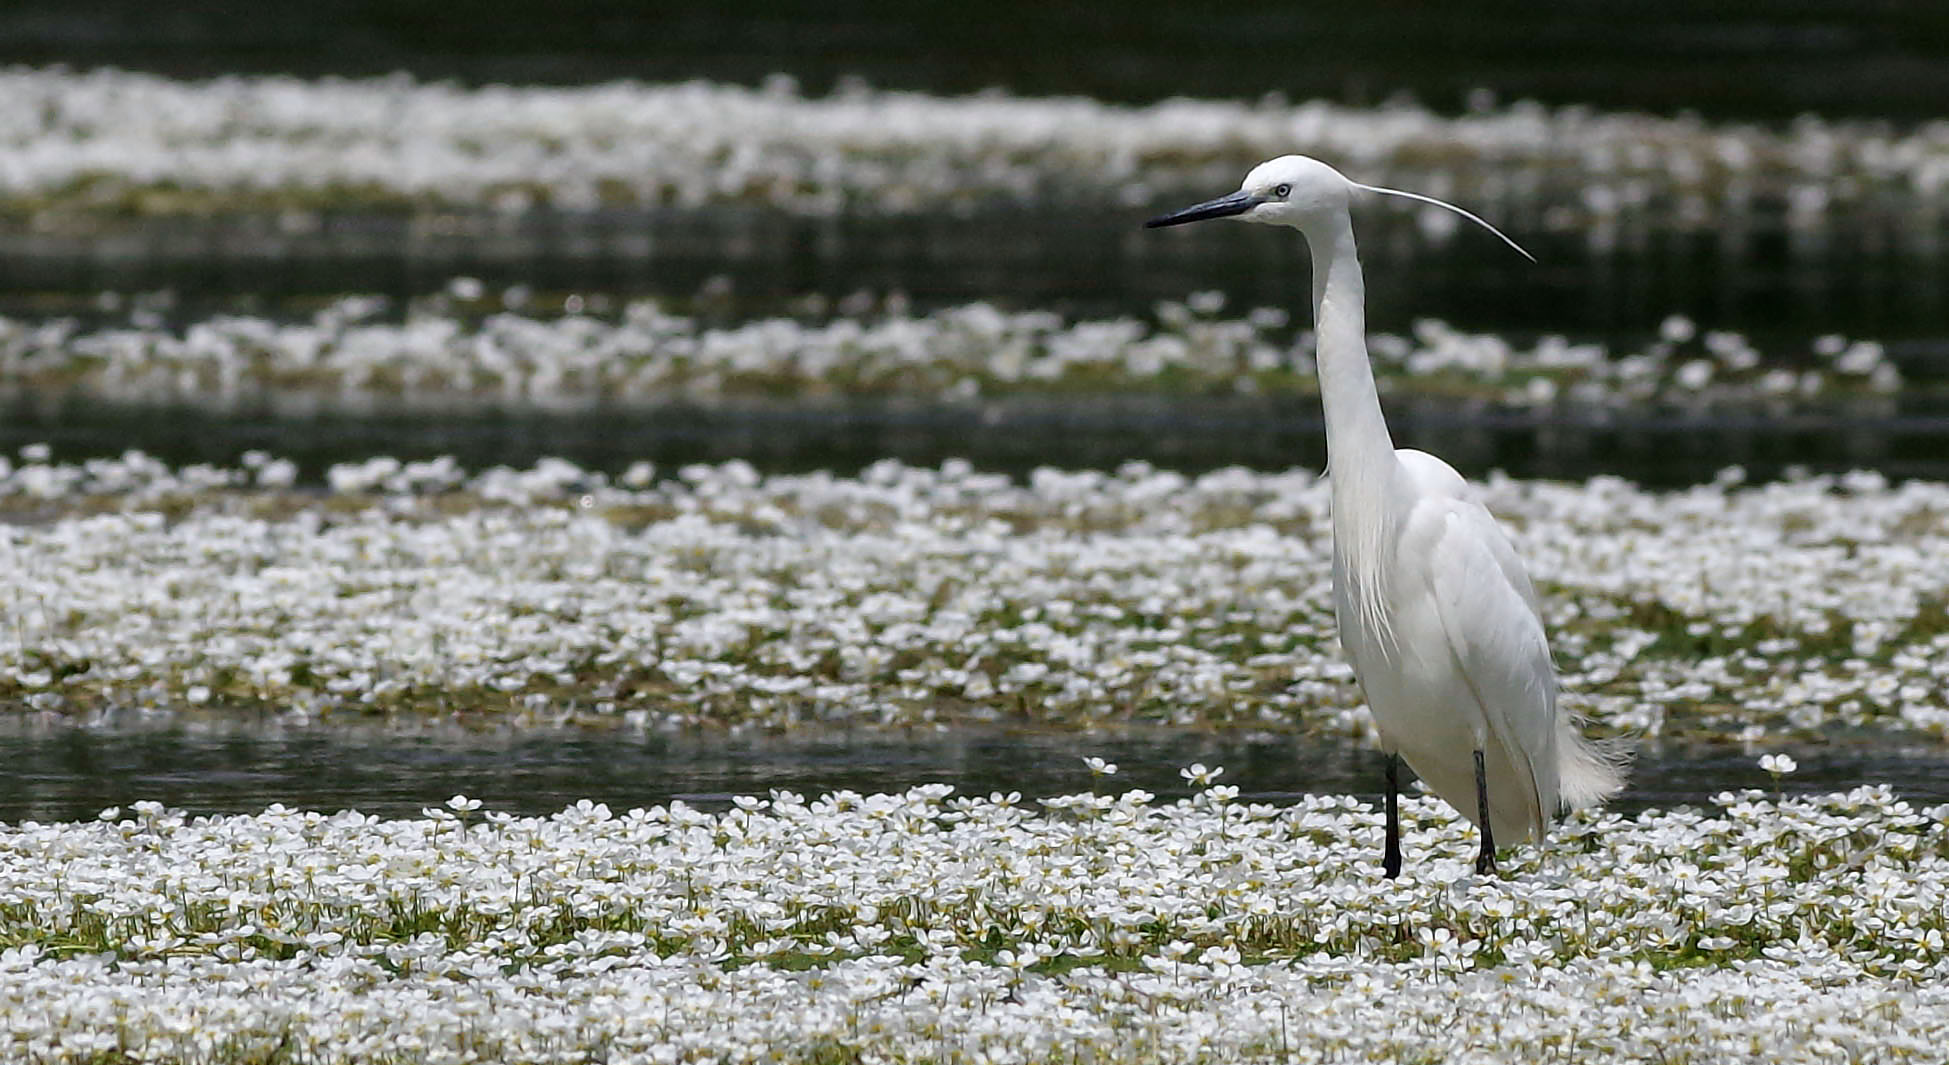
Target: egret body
1433 606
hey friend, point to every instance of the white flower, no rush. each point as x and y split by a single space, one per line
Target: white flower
1198 774
1099 767
909 595
1778 764
918 924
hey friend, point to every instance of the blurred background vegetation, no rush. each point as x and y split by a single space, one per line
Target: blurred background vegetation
1721 58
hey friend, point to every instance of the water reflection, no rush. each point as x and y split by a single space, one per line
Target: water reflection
1870 268
1654 448
210 764
1873 267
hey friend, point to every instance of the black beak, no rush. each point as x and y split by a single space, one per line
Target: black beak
1237 203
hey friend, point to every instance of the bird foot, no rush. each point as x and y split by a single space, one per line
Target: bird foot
1485 863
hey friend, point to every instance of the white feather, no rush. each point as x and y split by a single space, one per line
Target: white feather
1433 605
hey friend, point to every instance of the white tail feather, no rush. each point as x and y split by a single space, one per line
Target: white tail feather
1449 206
1588 771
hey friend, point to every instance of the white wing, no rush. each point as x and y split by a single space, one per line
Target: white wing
1488 613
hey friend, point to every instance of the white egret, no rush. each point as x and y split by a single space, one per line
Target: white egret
1432 603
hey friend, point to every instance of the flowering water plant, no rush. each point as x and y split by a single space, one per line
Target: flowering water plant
110 141
926 926
717 595
472 353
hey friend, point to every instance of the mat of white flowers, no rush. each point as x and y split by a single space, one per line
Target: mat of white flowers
471 348
109 142
1796 609
928 927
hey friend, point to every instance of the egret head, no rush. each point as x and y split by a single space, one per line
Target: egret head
1290 190
1296 191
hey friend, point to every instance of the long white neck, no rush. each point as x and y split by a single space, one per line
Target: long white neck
1359 450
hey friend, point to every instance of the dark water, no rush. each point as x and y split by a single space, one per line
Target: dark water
1661 449
729 264
1877 269
1745 58
221 765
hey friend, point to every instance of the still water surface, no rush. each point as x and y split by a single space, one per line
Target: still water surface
215 764
1653 448
1875 268
724 265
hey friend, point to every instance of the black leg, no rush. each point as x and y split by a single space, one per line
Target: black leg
1485 862
1391 858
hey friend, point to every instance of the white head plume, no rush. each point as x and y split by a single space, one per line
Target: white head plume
1449 206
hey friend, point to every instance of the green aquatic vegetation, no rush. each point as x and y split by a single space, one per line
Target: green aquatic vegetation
907 925
465 354
902 596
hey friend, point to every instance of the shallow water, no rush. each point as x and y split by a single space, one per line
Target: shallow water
1871 269
731 263
1655 448
222 764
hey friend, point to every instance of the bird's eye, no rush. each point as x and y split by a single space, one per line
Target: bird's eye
1283 191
